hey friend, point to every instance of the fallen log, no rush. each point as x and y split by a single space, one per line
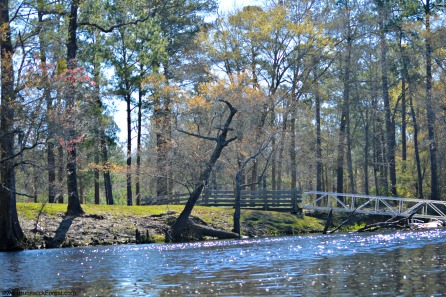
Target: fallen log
216 233
388 225
194 231
403 223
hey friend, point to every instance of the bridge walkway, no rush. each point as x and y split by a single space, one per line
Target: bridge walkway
377 205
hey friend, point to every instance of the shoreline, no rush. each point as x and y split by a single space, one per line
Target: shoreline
116 225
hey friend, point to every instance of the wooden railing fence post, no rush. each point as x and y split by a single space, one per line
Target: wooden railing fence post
294 201
265 199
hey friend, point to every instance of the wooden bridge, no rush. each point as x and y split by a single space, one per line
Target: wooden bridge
293 201
377 205
263 199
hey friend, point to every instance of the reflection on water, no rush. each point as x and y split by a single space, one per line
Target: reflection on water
390 264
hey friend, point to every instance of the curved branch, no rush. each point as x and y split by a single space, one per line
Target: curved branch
110 29
20 152
150 14
197 135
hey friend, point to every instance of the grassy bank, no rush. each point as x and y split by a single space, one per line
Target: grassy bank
116 224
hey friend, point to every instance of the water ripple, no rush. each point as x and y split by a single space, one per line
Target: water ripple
391 263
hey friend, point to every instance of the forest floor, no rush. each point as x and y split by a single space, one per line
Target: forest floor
114 224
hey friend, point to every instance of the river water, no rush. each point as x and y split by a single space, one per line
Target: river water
409 263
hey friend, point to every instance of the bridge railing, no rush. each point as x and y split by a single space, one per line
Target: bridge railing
283 200
368 204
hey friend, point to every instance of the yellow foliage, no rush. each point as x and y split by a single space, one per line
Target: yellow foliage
395 93
61 67
198 101
111 167
3 30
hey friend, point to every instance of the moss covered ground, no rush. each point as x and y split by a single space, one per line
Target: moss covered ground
116 224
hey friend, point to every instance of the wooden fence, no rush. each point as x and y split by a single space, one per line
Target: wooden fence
284 200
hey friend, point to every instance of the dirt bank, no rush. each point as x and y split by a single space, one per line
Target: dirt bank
112 225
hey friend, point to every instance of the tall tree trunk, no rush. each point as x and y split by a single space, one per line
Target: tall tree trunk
274 165
102 149
405 60
49 113
319 172
106 171
366 153
129 148
96 174
416 150
376 142
60 173
254 175
98 128
435 189
383 161
403 104
162 115
51 159
274 153
293 154
162 187
138 150
390 125
403 120
74 206
221 142
293 138
11 234
259 129
345 111
237 206
81 188
281 151
36 185
351 176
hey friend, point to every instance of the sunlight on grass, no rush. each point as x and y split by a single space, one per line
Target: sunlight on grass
278 222
273 223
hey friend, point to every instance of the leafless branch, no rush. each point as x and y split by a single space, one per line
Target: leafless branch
26 148
18 193
150 14
231 139
110 29
254 156
197 135
16 13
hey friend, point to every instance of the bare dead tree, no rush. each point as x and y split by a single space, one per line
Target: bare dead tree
177 232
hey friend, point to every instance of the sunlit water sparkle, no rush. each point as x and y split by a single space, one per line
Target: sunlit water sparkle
385 264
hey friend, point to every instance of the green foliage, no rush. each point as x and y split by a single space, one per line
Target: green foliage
350 228
31 210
